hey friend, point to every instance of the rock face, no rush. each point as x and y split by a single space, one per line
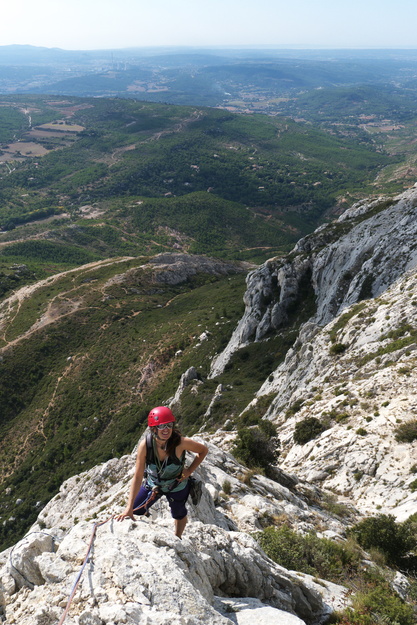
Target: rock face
360 255
361 395
177 268
139 572
352 367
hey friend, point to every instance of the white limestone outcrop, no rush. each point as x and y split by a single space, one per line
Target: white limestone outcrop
360 255
139 572
362 394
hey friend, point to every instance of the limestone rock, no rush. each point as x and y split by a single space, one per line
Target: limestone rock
139 571
361 255
173 269
363 394
246 611
187 378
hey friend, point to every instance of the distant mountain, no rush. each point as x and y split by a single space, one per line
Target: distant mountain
244 79
35 55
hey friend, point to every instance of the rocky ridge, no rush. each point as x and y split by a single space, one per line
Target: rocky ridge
361 395
352 366
360 255
139 572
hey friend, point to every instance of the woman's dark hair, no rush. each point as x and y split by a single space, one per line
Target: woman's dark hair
173 441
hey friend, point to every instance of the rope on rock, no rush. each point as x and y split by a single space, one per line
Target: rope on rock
153 495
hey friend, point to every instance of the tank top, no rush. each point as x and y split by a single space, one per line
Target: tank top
164 473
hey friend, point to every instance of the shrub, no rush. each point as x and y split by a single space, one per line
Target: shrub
383 603
307 429
268 428
413 486
255 448
308 553
338 348
406 432
382 532
227 487
294 408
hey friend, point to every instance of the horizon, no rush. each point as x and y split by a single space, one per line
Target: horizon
214 47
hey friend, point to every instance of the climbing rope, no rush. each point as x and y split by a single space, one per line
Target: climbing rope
154 494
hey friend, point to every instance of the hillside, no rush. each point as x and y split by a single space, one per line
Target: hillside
318 369
114 177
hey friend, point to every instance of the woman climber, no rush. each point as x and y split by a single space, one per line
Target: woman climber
160 469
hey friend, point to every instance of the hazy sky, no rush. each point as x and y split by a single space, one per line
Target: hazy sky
94 24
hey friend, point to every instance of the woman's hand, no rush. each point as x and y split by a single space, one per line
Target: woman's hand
127 513
185 474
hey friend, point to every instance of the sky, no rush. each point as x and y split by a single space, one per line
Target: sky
114 24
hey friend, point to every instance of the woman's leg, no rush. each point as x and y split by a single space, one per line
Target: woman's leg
180 526
177 501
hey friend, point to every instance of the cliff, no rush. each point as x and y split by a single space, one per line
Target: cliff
359 256
352 367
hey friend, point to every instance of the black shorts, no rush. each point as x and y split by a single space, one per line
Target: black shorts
176 500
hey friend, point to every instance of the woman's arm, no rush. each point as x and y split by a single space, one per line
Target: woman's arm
201 451
136 482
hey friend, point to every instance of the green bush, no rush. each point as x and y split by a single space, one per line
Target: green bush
255 448
307 429
338 348
309 554
378 605
294 408
406 432
268 428
227 487
361 432
382 532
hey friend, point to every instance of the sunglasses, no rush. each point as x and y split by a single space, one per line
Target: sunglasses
165 426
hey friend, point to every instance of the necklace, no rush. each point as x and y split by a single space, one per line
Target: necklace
160 465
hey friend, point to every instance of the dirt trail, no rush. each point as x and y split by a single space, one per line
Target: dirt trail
10 307
38 235
195 116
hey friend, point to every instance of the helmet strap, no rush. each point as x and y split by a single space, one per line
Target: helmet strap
156 437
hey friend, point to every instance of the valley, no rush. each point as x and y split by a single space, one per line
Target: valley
251 265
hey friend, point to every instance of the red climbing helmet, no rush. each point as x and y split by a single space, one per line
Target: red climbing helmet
160 415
